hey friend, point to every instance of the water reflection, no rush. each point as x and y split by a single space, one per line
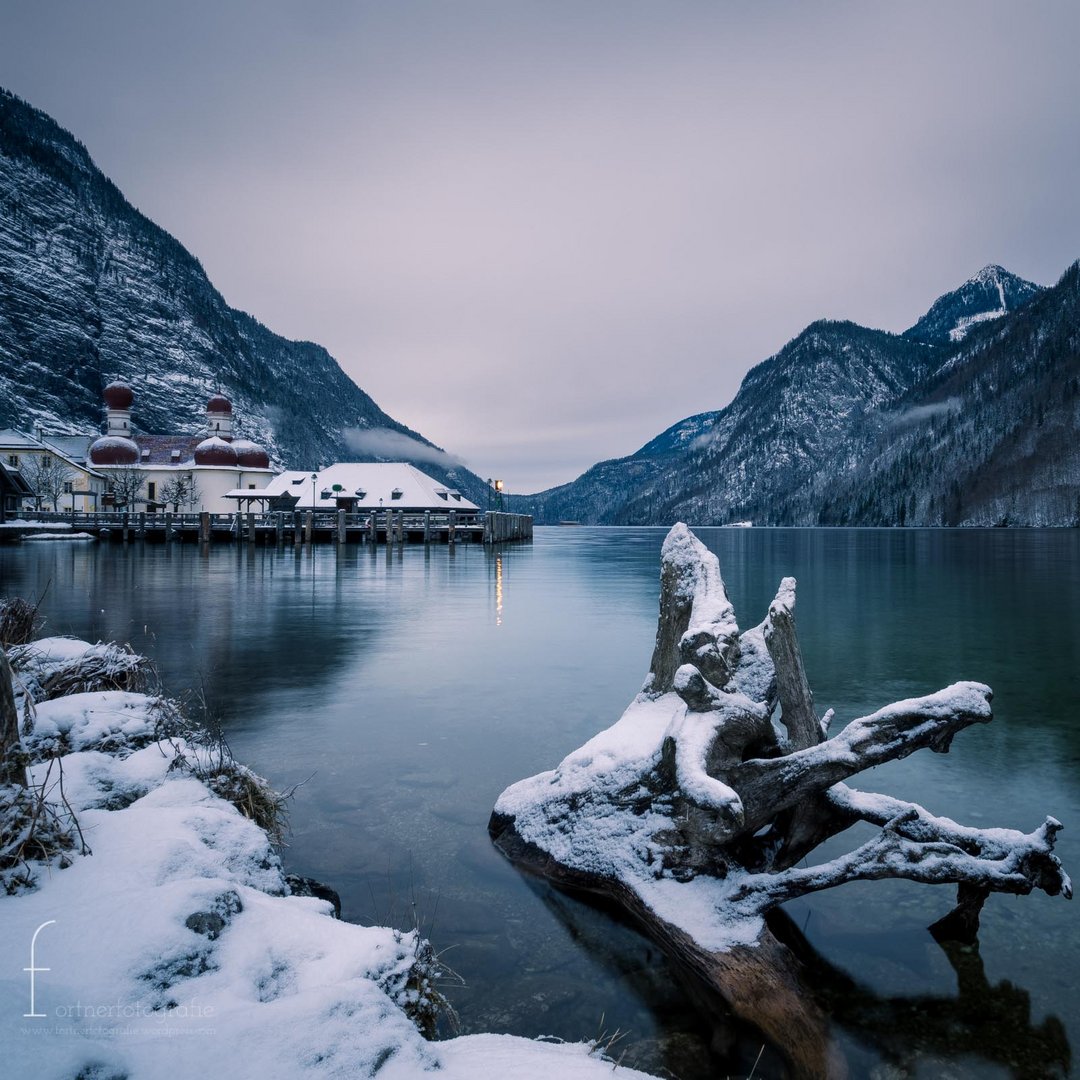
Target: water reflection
413 684
498 589
982 1023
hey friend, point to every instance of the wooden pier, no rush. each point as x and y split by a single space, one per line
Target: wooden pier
297 527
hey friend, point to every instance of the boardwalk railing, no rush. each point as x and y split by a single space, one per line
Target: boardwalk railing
381 526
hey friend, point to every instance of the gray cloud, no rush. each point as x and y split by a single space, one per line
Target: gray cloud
542 233
396 446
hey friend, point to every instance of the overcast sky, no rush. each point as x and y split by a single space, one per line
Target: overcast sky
539 233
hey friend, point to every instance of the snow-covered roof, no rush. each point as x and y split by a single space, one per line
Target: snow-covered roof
76 447
167 449
386 485
10 439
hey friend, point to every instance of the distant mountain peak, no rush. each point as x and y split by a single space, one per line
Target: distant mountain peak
990 294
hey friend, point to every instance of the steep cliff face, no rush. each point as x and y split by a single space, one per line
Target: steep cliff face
91 290
968 418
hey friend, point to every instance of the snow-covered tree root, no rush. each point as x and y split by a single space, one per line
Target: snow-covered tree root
693 811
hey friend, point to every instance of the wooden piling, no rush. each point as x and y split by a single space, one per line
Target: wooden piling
451 528
279 528
309 527
341 526
427 526
204 527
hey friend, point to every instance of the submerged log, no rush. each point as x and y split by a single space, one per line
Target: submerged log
693 810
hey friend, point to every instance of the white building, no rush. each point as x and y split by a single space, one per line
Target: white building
52 466
358 487
189 473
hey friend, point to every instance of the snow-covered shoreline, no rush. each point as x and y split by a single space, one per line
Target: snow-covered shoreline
166 941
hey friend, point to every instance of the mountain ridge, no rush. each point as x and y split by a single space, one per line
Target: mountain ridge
850 425
91 289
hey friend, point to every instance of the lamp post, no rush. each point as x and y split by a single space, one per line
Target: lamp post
499 485
314 479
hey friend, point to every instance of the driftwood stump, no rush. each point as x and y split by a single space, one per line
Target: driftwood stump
695 809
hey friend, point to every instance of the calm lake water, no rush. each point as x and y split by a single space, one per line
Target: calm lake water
405 689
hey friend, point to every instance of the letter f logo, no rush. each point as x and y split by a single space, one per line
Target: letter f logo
33 968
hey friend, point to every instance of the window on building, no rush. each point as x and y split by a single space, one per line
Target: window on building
251 487
69 487
13 460
396 493
151 490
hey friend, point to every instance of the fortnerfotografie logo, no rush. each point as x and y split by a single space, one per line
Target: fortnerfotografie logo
34 969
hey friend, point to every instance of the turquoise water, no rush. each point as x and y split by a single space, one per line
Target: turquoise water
404 690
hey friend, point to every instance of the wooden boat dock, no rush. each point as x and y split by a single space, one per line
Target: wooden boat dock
297 527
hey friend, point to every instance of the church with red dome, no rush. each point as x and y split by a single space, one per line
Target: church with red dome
188 473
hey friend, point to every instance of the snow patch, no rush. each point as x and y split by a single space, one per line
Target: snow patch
175 948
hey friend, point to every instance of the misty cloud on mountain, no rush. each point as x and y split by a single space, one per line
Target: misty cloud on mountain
396 446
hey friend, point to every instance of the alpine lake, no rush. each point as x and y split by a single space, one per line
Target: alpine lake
401 689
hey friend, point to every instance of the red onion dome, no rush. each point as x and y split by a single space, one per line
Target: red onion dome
118 395
250 454
114 450
214 451
219 404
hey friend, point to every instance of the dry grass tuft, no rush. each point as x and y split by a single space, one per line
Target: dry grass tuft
19 621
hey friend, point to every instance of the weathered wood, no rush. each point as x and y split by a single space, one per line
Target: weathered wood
427 526
11 770
309 527
711 644
726 802
764 984
204 527
770 785
341 526
451 534
796 700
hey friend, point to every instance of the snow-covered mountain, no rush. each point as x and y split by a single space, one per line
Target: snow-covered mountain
969 417
91 290
991 293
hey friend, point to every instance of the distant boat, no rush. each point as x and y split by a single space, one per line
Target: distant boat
738 525
569 522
